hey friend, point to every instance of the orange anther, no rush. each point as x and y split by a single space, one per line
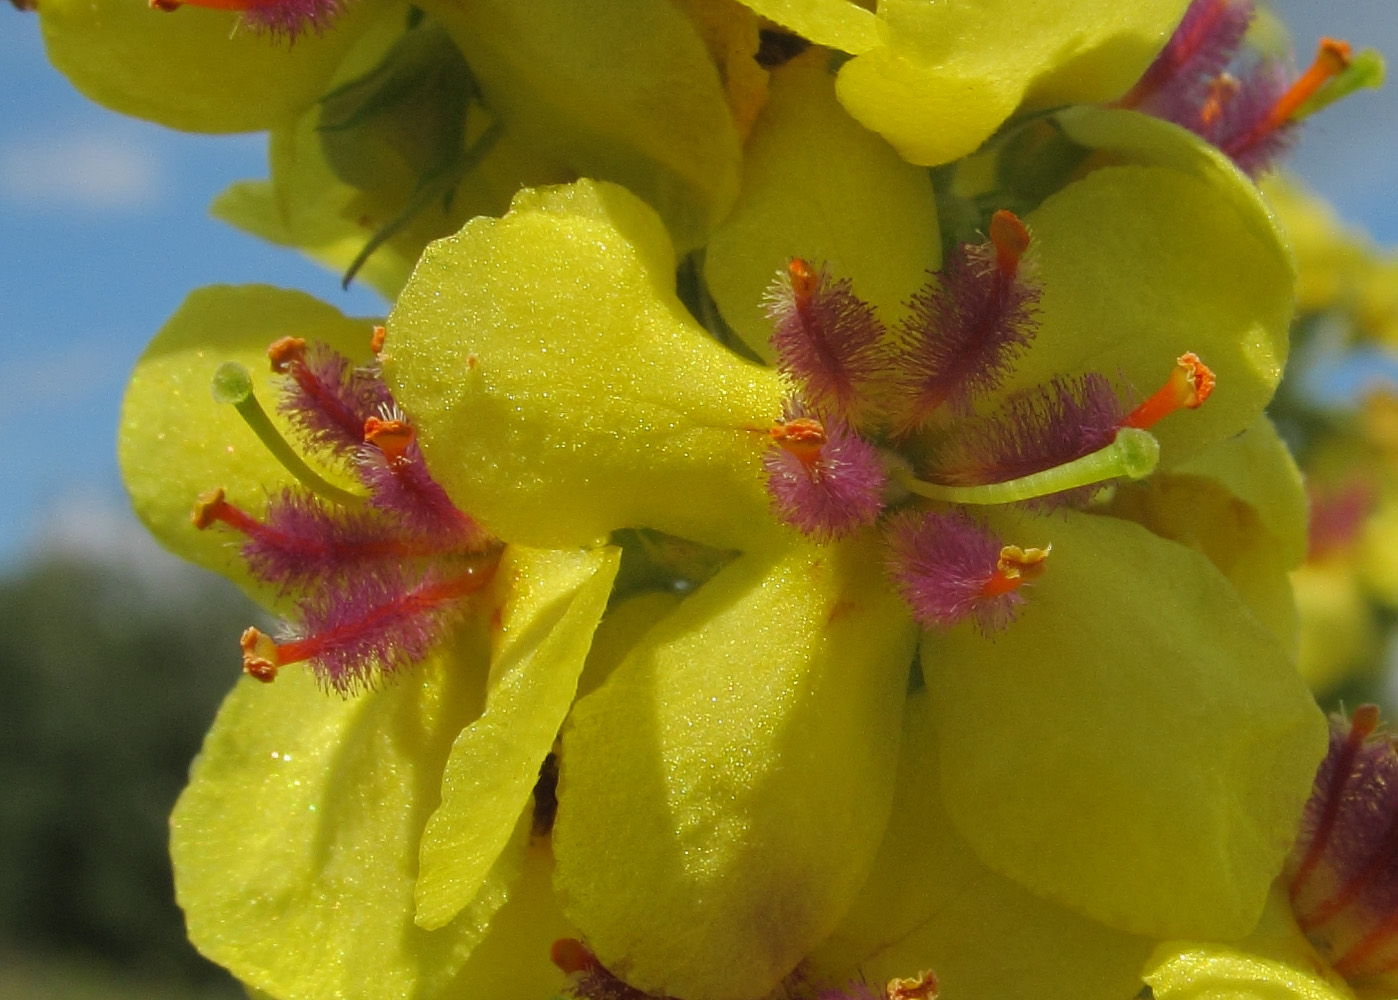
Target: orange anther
923 986
571 955
391 437
804 281
1331 59
376 339
803 437
1010 238
1190 383
1014 568
1221 91
286 351
207 508
260 657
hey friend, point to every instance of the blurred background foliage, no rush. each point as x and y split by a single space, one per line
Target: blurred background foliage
112 673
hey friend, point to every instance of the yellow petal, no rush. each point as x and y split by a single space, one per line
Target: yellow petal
1136 746
818 185
722 795
562 391
839 24
553 602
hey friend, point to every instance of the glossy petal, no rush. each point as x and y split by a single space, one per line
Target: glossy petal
1275 962
1140 265
624 91
929 903
819 186
838 24
295 843
552 603
1137 746
562 391
190 69
176 442
947 75
763 709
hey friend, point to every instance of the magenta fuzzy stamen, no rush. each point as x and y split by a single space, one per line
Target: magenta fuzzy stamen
824 479
945 566
289 18
966 329
826 339
360 630
1176 83
402 486
1037 429
1240 129
326 397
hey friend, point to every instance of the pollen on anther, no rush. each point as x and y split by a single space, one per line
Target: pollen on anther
949 569
824 479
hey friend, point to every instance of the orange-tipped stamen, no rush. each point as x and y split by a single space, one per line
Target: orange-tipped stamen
804 281
1222 89
261 656
1014 568
286 351
377 338
212 508
923 986
1331 59
1363 723
1190 383
1010 238
392 437
803 437
571 956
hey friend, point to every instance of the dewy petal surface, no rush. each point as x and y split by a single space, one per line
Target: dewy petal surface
623 90
1142 264
553 601
562 391
1137 746
947 75
189 69
818 185
295 843
930 903
176 442
722 795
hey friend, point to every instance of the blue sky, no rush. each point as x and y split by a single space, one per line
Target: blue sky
105 230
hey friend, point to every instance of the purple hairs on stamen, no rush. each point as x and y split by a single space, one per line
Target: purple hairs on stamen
857 989
362 629
828 342
834 496
305 540
1176 84
940 564
289 18
404 488
327 399
1239 132
1036 429
962 334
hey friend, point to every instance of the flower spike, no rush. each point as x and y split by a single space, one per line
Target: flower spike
948 568
826 339
966 329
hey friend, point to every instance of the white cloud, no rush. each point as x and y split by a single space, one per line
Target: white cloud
93 171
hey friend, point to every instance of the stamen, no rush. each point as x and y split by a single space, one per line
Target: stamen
824 479
827 340
391 464
949 568
1132 454
923 986
232 383
368 627
1207 38
965 330
326 398
286 18
376 340
1190 383
1332 58
392 437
